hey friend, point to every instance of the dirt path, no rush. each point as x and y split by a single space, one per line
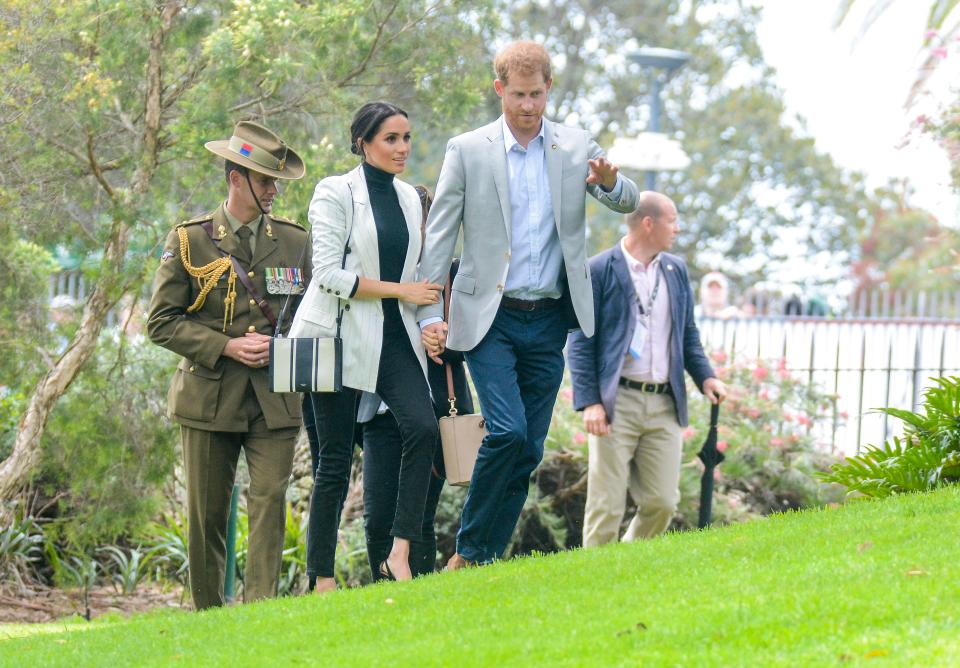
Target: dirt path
43 604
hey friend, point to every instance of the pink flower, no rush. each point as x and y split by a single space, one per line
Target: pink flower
930 34
776 442
567 393
787 417
717 475
688 433
722 446
804 420
844 415
579 438
760 373
939 52
782 366
764 394
753 413
719 356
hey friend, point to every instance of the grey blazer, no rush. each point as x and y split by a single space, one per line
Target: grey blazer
472 194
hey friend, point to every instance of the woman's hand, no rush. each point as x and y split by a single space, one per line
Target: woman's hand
421 293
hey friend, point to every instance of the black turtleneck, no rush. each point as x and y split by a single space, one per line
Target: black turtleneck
392 235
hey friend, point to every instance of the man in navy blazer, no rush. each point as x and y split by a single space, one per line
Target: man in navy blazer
628 377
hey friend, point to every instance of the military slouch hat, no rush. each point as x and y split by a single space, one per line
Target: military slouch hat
260 149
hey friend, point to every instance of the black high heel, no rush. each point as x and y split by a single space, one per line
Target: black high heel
386 572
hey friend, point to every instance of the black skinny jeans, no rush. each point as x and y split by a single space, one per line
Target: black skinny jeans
401 384
382 452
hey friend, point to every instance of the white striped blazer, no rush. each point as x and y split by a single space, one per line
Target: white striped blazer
339 203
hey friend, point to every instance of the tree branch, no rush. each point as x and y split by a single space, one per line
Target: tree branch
361 68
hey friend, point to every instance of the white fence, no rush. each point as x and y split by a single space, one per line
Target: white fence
869 363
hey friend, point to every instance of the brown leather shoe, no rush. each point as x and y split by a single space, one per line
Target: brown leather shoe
456 562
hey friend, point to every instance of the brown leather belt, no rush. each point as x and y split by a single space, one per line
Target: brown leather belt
650 388
528 304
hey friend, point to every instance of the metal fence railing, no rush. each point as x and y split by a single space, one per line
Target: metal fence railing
867 362
878 303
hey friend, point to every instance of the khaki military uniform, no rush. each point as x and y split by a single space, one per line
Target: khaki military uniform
223 405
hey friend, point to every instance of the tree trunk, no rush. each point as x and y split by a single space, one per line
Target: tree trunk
15 470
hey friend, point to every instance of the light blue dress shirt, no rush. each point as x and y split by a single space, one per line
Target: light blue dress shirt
536 257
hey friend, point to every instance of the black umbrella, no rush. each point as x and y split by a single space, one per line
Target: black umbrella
710 457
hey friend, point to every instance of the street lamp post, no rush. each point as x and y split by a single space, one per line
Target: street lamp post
665 63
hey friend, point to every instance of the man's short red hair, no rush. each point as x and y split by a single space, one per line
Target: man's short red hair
523 57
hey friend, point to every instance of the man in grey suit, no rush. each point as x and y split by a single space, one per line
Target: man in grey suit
516 189
628 377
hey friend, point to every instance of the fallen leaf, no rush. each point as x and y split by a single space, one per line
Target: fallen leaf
60 641
916 571
389 601
874 653
641 626
865 545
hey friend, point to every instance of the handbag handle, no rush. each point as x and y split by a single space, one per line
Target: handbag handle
451 395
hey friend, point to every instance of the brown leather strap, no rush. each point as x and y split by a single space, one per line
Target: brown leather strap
451 395
244 278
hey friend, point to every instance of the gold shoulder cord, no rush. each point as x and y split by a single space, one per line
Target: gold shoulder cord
207 277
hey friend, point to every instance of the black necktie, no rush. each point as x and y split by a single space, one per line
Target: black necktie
244 233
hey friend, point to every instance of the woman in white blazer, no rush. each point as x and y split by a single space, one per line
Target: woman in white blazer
366 243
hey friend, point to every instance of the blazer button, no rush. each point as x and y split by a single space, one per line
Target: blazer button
338 293
507 255
500 287
346 307
192 369
253 302
251 328
250 274
329 290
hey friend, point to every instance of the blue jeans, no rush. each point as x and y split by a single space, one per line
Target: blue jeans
516 369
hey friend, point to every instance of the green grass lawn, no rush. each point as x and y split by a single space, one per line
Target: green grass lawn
867 583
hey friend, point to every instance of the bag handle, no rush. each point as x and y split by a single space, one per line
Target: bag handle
286 302
346 251
451 395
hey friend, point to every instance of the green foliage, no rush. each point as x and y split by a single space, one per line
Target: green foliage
166 542
861 584
109 446
20 550
126 567
927 457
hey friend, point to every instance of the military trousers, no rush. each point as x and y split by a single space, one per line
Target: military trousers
641 455
210 463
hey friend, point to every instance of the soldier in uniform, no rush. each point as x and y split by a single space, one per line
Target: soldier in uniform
223 281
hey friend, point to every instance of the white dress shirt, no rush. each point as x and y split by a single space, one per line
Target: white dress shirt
653 366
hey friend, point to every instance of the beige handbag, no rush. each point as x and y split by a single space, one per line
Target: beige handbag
460 435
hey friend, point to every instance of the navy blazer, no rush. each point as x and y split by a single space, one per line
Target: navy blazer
596 362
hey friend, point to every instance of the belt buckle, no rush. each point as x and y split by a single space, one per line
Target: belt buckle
649 387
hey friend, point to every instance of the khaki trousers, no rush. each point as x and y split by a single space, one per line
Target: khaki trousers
210 463
641 454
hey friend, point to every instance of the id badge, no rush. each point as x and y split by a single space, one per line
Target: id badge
639 338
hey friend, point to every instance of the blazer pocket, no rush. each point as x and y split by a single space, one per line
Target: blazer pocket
464 283
320 318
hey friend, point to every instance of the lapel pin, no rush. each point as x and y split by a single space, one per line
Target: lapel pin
269 230
669 267
221 231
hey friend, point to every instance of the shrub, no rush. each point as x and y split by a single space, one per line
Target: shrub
927 457
20 550
109 448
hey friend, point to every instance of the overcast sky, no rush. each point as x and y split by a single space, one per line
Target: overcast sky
852 95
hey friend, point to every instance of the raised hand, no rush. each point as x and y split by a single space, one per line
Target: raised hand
603 173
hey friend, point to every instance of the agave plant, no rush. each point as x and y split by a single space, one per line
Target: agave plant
20 550
127 568
927 457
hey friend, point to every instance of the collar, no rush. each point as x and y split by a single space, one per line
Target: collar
633 263
509 141
235 224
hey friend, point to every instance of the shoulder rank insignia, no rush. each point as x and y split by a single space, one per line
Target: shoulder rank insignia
166 256
221 231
